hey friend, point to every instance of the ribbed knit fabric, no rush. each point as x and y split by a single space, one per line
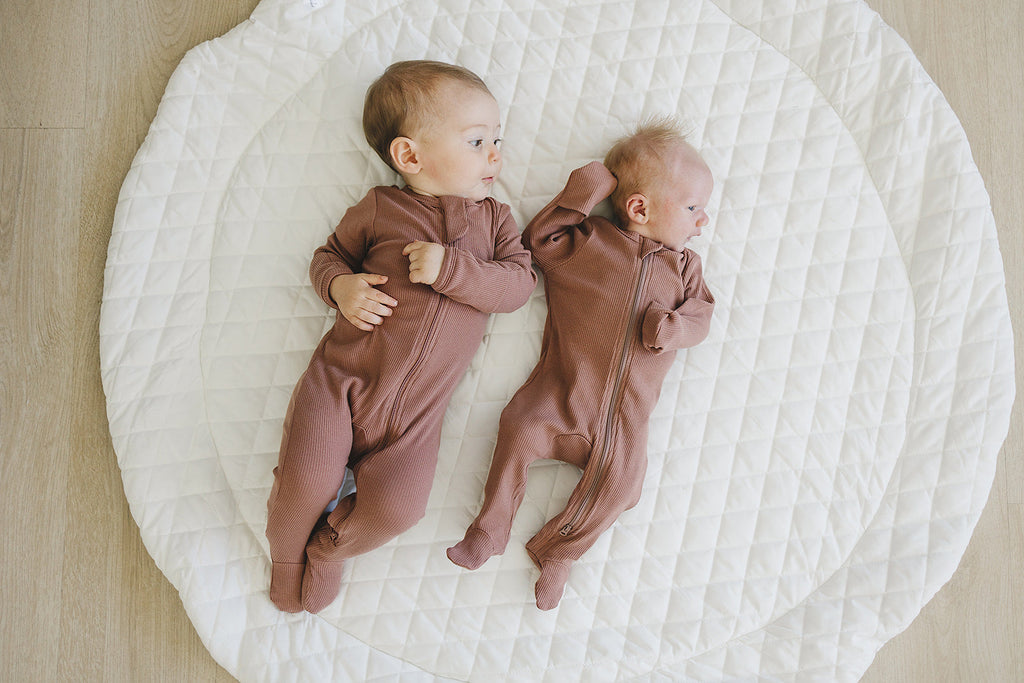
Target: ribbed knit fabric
321 579
284 575
551 584
375 400
619 306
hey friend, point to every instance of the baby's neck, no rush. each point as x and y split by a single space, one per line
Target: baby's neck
641 230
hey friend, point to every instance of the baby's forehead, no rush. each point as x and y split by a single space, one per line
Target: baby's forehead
687 155
680 164
446 98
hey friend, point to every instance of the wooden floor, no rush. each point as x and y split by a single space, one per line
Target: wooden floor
79 84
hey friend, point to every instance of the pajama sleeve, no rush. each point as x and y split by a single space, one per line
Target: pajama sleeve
555 233
345 248
500 285
687 325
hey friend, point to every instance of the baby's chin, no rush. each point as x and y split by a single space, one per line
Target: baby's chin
678 246
478 195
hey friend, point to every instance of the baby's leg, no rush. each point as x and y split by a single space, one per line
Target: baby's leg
392 488
618 489
488 535
321 579
521 442
314 449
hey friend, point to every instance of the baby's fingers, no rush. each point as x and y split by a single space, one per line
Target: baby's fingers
373 279
375 309
378 297
357 321
369 317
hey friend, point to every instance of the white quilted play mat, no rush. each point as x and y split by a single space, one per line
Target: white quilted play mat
817 465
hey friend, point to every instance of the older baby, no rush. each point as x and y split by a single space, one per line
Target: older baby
414 272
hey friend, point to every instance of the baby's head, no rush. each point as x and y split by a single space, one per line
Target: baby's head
437 125
663 184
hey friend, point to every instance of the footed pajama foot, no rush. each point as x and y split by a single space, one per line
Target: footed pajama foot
473 550
551 584
321 581
286 585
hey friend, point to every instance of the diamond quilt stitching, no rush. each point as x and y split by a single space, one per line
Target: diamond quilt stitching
812 481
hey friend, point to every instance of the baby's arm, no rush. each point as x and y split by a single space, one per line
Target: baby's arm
687 325
500 285
334 269
553 234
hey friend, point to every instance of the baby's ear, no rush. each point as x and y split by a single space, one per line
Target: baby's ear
637 208
403 154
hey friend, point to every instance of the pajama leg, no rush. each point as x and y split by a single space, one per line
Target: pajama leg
503 493
618 489
392 488
515 451
314 450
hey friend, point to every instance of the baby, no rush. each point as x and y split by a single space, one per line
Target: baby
413 272
621 299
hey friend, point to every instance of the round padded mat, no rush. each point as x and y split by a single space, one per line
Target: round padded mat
817 465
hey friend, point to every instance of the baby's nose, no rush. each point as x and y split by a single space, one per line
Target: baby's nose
495 154
702 220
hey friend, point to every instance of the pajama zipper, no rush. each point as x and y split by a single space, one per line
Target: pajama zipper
616 390
415 366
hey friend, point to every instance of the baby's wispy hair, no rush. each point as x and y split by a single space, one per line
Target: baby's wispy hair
644 153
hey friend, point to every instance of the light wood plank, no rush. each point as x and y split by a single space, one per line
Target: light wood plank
104 612
42 63
121 619
38 245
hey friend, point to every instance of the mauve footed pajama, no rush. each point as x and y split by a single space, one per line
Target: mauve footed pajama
619 306
375 401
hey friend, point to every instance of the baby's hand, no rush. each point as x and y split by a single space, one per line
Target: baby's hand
359 301
425 260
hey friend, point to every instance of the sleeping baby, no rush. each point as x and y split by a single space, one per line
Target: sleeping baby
622 298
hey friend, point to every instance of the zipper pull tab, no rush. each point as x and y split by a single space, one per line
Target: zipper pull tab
565 530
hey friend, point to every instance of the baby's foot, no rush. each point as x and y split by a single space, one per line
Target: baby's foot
321 581
473 550
550 585
286 585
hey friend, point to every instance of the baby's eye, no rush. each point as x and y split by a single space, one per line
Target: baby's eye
477 143
692 208
497 142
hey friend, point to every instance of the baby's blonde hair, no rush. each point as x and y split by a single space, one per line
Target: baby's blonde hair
403 100
637 158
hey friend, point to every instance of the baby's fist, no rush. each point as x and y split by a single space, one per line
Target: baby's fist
425 260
